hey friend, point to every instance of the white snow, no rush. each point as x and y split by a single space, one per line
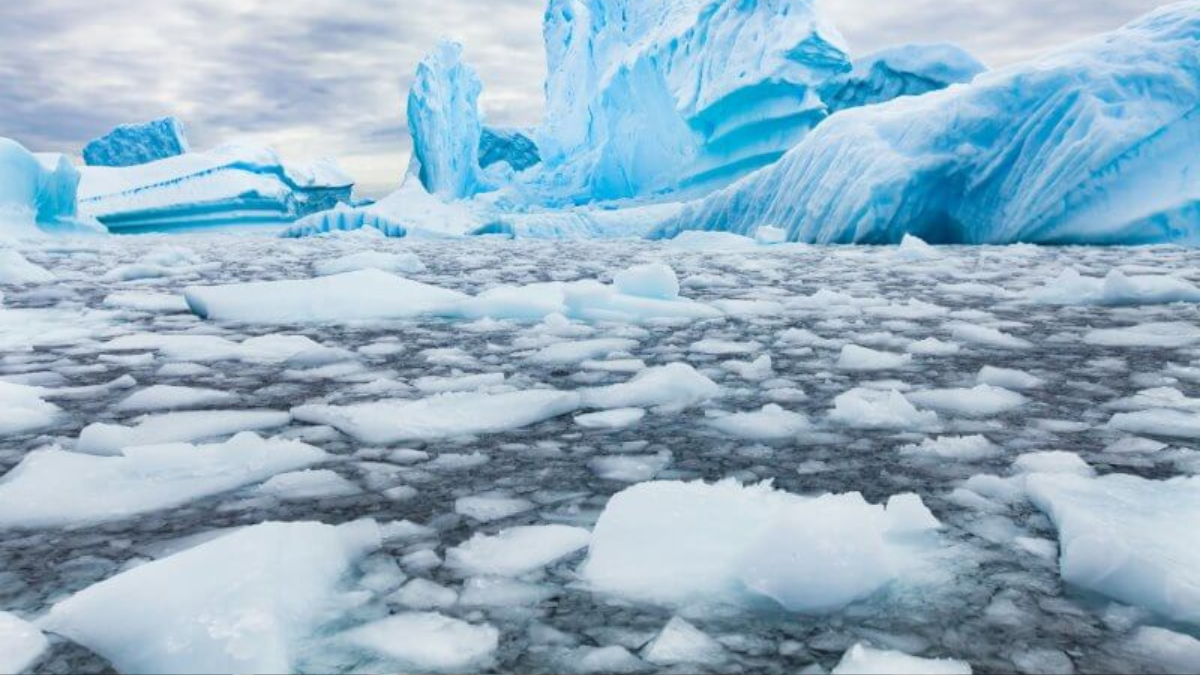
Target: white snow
863 660
52 488
428 642
518 551
248 602
680 542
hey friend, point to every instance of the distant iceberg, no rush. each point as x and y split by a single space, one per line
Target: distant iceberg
133 144
1096 144
232 185
37 194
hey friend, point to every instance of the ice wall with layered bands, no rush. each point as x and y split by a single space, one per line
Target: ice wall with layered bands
1095 144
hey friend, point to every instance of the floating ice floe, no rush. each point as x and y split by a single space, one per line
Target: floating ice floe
684 542
53 488
248 602
770 423
1128 538
874 409
518 551
862 359
1115 290
428 642
15 270
21 644
680 643
674 387
1164 335
863 660
176 427
273 348
1008 379
968 448
1158 422
982 401
167 397
22 409
395 263
305 485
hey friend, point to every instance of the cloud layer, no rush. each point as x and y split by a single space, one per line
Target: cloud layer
329 77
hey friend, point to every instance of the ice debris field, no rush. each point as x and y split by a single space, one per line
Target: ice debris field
360 454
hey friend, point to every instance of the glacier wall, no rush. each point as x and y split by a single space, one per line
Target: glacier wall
231 185
652 97
1096 144
37 194
907 70
443 119
133 144
512 146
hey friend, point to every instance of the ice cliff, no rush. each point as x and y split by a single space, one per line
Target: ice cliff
1095 144
443 119
37 193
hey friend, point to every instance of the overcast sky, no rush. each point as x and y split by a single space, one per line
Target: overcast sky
329 77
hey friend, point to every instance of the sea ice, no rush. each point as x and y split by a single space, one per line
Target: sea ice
15 270
394 263
873 409
770 423
681 643
428 642
862 359
167 397
862 660
982 401
177 427
22 409
674 387
518 551
21 644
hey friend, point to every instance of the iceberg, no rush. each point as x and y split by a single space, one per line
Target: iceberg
231 185
1091 145
908 70
443 119
247 602
133 144
644 98
514 147
38 194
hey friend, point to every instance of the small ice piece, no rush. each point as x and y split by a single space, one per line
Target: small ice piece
1169 423
517 551
22 409
681 643
52 488
933 347
147 302
655 281
631 468
615 660
1147 336
677 386
491 507
15 270
306 485
1136 445
1116 290
501 592
1116 541
428 642
873 409
394 263
767 235
966 448
682 542
166 397
21 644
621 418
367 295
1056 461
758 370
443 416
459 383
982 401
770 423
424 595
564 353
180 427
273 348
983 336
1017 380
861 359
1169 652
244 603
862 660
725 347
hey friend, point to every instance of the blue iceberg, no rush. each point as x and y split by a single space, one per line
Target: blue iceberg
133 144
443 119
511 146
232 185
38 194
1096 144
908 70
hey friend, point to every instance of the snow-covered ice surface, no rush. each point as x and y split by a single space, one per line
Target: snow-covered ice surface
504 436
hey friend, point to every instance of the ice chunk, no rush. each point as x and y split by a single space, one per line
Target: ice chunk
1149 335
21 644
577 352
428 642
491 507
1055 461
681 643
1115 540
443 416
1008 379
968 448
147 302
424 594
503 593
862 359
680 542
985 336
1116 290
38 194
1170 423
771 423
873 409
907 70
15 270
231 185
305 485
862 660
982 401
443 120
52 488
133 144
111 439
1170 652
621 418
244 603
657 282
274 348
1109 166
367 295
518 551
676 387
395 263
166 397
22 409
